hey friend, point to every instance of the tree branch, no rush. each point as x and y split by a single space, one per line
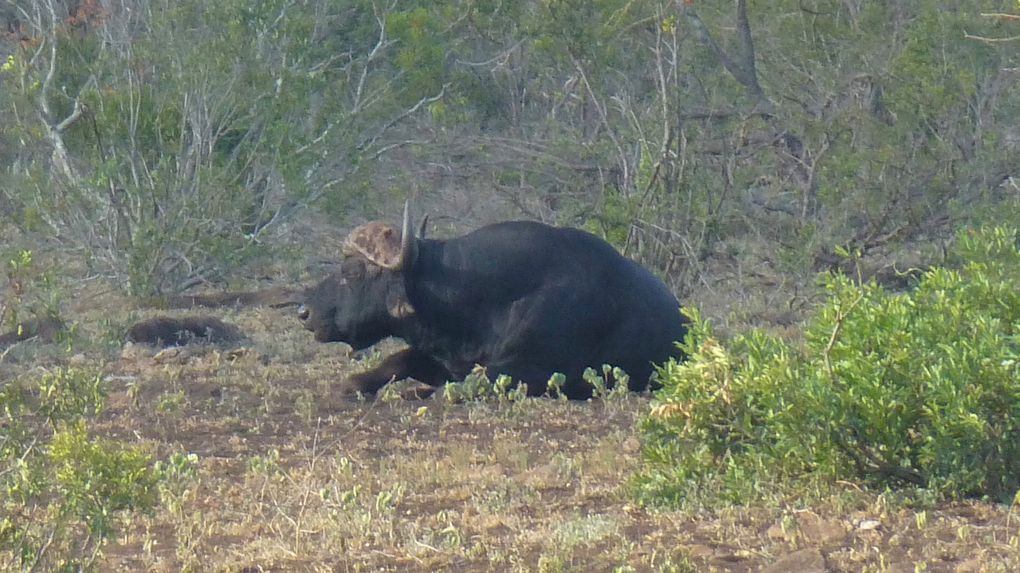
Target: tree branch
425 100
741 66
991 40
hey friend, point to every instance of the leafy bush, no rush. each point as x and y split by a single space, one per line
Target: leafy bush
31 291
915 389
62 491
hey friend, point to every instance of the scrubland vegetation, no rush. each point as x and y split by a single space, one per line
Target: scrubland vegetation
831 187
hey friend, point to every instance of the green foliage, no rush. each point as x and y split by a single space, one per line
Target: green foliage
95 479
939 72
720 421
919 389
420 52
613 383
183 159
207 126
70 395
478 386
585 31
32 291
614 219
63 491
555 385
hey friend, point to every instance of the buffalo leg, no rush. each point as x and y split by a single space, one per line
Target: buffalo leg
408 363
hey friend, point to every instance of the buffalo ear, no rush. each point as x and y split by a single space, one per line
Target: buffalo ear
398 306
401 310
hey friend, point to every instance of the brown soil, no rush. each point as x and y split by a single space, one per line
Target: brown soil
292 478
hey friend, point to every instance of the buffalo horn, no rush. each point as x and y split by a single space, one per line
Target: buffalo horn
422 227
408 243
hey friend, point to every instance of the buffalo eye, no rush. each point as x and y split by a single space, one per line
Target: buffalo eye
303 313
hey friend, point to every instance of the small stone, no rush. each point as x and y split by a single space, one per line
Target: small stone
777 533
818 530
869 524
700 552
803 561
973 565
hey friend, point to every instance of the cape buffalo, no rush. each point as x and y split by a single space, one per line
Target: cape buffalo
521 298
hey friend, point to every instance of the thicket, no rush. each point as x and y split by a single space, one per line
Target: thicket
167 143
919 389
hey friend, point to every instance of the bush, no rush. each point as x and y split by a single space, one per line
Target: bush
62 491
920 389
31 292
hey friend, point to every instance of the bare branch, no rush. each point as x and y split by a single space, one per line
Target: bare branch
990 40
746 45
380 45
406 113
71 119
741 65
502 58
1001 15
606 124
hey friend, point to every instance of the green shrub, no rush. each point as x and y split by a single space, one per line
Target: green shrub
31 292
69 395
919 389
97 478
64 491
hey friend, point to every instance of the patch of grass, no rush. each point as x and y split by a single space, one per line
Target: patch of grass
66 492
482 485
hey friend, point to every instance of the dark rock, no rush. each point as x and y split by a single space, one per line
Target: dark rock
43 329
171 331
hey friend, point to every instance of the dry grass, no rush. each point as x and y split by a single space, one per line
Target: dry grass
292 479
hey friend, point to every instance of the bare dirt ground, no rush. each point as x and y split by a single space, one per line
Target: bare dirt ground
291 479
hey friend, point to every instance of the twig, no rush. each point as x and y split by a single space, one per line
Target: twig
990 40
379 133
304 498
1001 15
840 321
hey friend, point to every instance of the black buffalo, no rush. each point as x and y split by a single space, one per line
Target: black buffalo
520 298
